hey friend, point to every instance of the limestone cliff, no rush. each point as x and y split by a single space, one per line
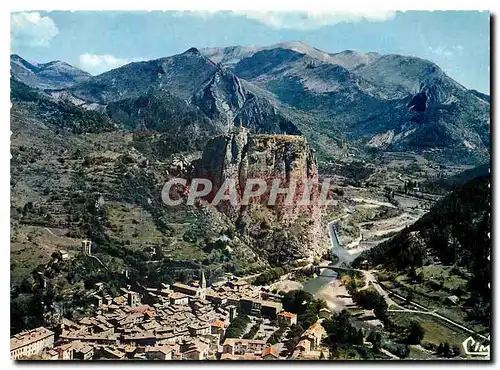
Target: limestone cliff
221 98
281 232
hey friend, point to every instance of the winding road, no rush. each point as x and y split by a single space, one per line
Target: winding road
346 257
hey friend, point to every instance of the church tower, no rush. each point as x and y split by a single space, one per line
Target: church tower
203 285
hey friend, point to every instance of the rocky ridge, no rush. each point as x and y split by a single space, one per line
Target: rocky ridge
283 232
51 75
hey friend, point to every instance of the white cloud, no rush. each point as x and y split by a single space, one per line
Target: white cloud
99 63
447 51
316 19
29 28
204 14
302 20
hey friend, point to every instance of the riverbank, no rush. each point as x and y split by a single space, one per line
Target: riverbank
325 287
333 293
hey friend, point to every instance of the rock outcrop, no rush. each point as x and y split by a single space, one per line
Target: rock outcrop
260 116
221 97
290 228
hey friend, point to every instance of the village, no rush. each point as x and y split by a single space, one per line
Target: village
177 322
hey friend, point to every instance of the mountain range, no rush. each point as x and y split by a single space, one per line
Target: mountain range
51 75
377 102
91 156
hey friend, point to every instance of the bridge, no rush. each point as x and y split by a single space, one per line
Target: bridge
335 269
336 249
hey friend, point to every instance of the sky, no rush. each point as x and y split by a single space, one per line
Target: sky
457 41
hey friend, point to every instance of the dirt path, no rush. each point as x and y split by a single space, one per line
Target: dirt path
420 309
51 232
362 201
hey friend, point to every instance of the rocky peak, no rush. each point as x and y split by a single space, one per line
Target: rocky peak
231 55
221 97
266 61
16 59
192 52
260 116
352 59
241 155
402 75
224 99
51 75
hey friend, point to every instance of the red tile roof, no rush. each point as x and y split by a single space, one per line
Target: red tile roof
218 323
288 314
270 351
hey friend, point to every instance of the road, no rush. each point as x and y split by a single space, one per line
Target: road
391 355
425 311
51 232
369 277
382 350
422 309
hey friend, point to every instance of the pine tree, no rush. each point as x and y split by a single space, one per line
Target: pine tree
371 337
360 337
378 343
446 350
440 349
416 333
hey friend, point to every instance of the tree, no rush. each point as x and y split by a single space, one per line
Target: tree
439 350
376 339
412 274
307 318
159 255
403 351
446 350
340 329
293 336
371 336
56 255
371 300
237 326
296 301
377 344
351 286
420 277
360 337
415 333
276 336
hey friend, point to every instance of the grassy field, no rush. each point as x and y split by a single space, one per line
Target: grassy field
436 331
129 222
33 245
438 283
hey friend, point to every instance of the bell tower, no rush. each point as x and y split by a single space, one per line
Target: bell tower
203 285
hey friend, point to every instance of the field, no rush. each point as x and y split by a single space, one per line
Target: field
436 331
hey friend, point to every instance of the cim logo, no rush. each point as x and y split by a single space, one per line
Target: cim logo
474 348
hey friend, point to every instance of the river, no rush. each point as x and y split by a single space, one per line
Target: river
326 286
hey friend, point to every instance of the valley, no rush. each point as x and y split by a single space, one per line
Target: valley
402 143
